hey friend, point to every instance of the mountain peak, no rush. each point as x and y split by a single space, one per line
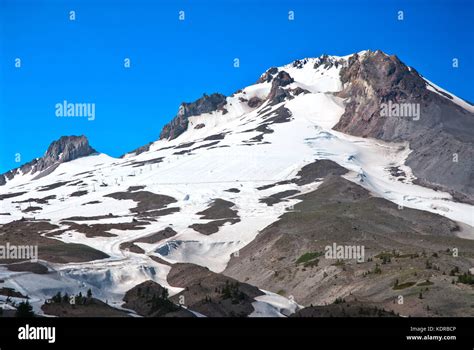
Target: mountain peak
68 148
65 149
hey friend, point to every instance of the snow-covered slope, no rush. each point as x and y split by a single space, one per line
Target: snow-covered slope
231 154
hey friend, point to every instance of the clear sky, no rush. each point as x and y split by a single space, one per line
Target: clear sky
174 61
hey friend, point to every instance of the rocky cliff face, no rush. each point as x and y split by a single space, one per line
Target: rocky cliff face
442 133
179 124
277 93
63 150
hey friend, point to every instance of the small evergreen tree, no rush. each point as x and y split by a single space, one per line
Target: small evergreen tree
79 298
57 298
24 310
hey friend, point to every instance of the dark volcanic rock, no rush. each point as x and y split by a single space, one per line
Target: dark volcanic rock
30 209
310 173
153 238
220 213
220 136
277 93
90 218
205 104
279 80
140 163
147 201
213 226
268 75
65 149
278 116
43 200
298 91
219 209
158 236
139 150
102 230
53 186
278 197
299 63
130 246
28 266
254 102
11 195
317 170
282 79
327 62
185 145
78 193
441 131
233 190
135 188
30 232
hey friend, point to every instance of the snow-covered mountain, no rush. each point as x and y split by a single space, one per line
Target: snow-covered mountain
226 169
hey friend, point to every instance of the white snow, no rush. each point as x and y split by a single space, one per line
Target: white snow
273 305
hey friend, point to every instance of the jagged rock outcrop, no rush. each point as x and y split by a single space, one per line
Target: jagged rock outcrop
63 150
268 75
254 102
277 93
179 124
442 133
328 62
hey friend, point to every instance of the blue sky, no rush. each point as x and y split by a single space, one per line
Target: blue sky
174 61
